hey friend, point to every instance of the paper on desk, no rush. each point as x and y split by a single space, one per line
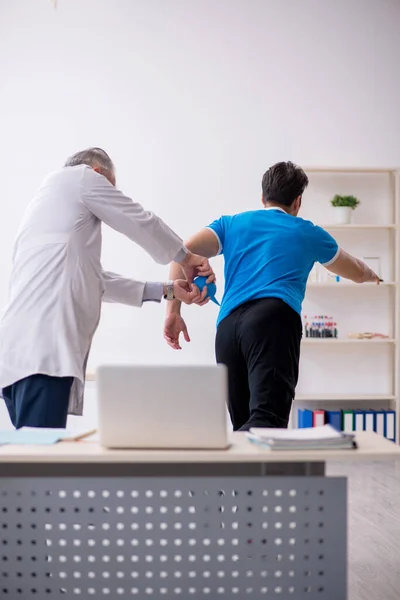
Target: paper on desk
313 438
39 436
324 433
19 437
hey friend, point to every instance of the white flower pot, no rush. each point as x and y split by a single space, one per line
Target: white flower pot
342 215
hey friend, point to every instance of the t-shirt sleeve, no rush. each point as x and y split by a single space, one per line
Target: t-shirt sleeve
325 247
218 227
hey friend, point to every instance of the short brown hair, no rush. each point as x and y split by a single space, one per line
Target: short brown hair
283 183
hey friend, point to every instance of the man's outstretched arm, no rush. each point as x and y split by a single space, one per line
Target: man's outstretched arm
352 268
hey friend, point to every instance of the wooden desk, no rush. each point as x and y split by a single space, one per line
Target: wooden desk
79 521
370 447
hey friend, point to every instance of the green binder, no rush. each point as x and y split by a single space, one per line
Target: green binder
348 421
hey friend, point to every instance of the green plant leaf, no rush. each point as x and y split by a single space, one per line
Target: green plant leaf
349 201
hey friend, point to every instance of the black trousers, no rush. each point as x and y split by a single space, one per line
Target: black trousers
259 342
39 401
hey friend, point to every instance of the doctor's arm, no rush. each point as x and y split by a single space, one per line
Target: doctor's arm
144 228
133 293
128 291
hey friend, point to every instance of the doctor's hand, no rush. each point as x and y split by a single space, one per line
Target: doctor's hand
195 265
188 293
174 325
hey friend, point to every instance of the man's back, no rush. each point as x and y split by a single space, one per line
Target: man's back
269 254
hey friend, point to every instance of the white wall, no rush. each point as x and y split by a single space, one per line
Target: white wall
193 99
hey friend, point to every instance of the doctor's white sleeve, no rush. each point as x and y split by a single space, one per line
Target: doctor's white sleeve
128 291
118 211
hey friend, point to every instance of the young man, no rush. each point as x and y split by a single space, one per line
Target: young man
269 254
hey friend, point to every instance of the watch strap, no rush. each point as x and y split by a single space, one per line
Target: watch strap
170 291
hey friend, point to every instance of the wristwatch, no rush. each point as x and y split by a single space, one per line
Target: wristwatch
170 291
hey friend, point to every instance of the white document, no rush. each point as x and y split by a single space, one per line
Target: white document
327 432
319 420
60 434
359 422
390 426
369 422
310 438
380 423
348 422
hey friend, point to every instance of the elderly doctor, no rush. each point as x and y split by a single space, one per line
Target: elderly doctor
57 286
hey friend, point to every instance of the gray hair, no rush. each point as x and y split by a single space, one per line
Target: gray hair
92 157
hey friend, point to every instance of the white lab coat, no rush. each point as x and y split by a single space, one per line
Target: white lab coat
57 283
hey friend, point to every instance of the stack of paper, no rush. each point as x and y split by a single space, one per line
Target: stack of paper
310 438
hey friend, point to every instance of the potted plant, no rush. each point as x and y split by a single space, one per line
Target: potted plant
344 205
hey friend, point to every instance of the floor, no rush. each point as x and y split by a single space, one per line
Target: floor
374 529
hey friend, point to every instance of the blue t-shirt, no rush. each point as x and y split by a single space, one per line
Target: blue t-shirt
269 254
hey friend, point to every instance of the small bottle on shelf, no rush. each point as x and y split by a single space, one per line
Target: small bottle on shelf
328 328
325 327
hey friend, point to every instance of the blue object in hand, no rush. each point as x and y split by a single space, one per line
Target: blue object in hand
211 288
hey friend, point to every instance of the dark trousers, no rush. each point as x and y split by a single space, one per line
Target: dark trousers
259 342
39 401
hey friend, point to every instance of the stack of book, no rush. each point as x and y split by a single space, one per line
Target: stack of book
382 422
312 438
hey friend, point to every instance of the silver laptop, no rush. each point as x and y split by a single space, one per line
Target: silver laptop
168 407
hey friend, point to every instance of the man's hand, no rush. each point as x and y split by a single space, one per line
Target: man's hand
195 265
371 277
174 325
189 293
